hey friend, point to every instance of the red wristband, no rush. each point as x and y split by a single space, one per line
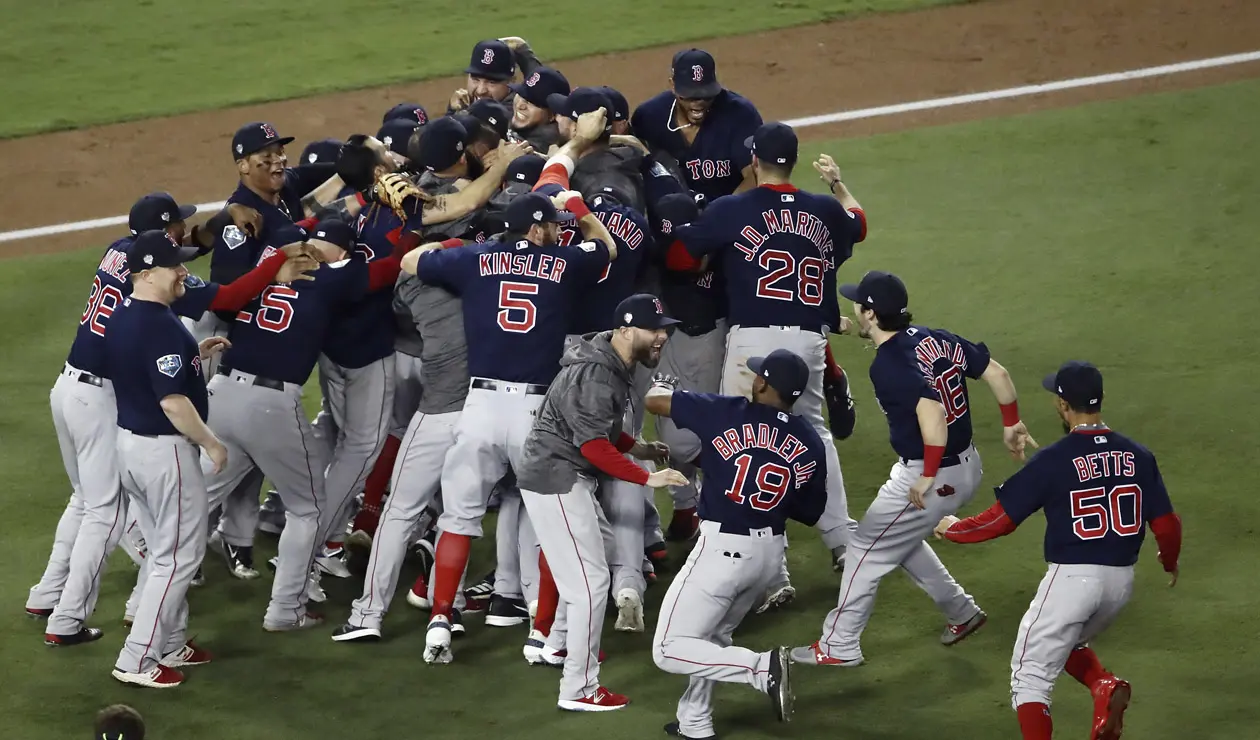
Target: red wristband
932 455
359 197
1010 413
448 243
577 207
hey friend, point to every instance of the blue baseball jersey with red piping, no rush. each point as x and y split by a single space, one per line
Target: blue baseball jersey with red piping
713 163
280 334
926 363
235 252
1098 490
364 332
633 236
110 286
761 466
779 248
519 299
151 356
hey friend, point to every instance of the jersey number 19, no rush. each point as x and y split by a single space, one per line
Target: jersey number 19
770 481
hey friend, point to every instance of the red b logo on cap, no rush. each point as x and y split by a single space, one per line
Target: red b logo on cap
487 56
269 132
533 80
697 73
660 310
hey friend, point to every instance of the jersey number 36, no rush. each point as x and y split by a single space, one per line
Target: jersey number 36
770 481
1096 512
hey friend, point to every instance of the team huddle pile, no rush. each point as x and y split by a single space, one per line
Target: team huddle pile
495 299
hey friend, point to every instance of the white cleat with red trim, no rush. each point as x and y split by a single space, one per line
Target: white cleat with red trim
602 700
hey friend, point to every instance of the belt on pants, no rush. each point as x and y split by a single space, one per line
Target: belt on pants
727 528
530 389
260 381
83 377
948 461
780 327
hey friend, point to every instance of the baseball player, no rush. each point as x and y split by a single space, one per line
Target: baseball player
920 378
762 465
600 164
780 248
162 407
532 118
492 66
1097 488
518 295
413 112
573 439
85 412
619 114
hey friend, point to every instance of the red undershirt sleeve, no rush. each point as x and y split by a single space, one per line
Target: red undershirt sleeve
987 525
679 259
234 295
1167 531
384 273
861 215
603 455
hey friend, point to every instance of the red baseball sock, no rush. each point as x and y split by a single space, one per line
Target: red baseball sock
548 597
1034 721
449 562
1084 666
374 487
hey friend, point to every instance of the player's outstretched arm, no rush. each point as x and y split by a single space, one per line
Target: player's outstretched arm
588 223
1014 433
318 200
829 172
445 208
660 396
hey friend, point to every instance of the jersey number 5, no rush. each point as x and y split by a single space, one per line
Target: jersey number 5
770 480
782 265
100 306
517 313
275 309
1098 511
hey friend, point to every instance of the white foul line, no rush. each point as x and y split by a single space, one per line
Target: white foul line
852 115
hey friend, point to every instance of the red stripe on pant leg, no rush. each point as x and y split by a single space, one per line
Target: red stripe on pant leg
590 600
1044 599
179 516
845 598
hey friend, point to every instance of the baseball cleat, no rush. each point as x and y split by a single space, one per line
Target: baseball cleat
198 579
684 526
780 597
956 633
457 623
629 611
333 562
425 553
128 621
161 677
536 651
673 729
84 635
314 591
240 560
813 655
271 514
602 700
350 633
1111 698
481 591
657 553
779 685
437 640
38 613
506 612
305 622
418 595
188 655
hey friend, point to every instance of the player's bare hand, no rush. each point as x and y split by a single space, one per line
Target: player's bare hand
514 42
460 99
590 126
919 489
828 172
217 454
297 268
631 141
946 522
211 346
666 477
245 218
297 250
510 151
490 158
845 324
1017 439
654 451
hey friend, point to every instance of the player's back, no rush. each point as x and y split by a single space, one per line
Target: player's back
110 286
630 230
364 332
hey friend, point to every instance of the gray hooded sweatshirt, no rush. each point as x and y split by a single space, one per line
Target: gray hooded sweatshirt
585 402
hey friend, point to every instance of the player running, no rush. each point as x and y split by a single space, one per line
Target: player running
920 377
1099 490
762 465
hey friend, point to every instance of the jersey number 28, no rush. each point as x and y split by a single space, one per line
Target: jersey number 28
783 266
770 480
1099 511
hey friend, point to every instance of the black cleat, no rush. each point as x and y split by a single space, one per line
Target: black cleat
87 634
506 612
779 685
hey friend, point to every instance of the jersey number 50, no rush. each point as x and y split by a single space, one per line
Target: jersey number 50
1099 511
782 265
517 313
275 309
771 481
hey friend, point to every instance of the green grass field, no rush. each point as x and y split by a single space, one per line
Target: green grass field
1118 232
72 63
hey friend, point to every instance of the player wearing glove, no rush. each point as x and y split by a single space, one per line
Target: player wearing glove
1099 491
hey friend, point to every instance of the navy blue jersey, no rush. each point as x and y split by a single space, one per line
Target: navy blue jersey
280 333
364 332
1098 490
150 355
761 466
926 363
779 248
714 162
235 252
518 300
111 285
633 236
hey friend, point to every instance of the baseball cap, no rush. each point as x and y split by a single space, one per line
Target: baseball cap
322 151
643 311
395 134
610 193
156 248
882 292
523 173
530 209
784 370
157 211
774 142
1079 383
493 60
493 114
334 231
672 211
543 83
441 144
413 112
621 106
695 74
581 100
254 137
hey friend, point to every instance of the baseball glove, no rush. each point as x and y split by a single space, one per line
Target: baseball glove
393 190
841 415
